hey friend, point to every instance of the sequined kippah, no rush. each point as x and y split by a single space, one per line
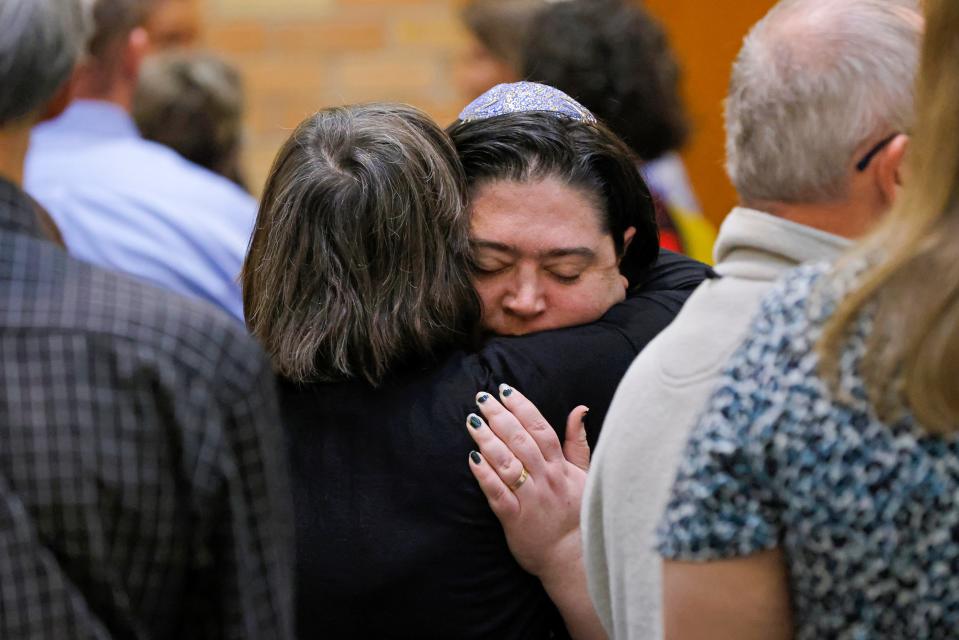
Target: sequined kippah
523 97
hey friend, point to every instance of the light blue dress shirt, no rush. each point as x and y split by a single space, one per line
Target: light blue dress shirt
129 204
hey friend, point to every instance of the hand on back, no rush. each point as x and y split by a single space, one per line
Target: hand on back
533 484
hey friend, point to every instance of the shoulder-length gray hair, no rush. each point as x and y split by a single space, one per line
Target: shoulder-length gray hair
360 259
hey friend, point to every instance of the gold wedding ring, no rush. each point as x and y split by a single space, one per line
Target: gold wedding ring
519 481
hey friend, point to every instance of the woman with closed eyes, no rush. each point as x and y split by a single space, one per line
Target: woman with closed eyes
360 285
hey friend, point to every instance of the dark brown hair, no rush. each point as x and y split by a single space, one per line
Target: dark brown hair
615 59
360 260
113 22
588 156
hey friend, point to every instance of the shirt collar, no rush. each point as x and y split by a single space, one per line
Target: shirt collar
752 239
97 118
17 212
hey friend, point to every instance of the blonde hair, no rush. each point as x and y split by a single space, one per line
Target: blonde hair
912 276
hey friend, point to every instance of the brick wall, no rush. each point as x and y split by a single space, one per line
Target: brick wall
301 55
298 56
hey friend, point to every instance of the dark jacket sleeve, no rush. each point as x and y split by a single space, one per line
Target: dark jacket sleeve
673 272
561 369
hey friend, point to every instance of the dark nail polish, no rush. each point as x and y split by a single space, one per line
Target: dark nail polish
483 398
475 422
507 392
475 457
585 415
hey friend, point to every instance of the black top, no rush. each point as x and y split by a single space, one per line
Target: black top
143 491
394 537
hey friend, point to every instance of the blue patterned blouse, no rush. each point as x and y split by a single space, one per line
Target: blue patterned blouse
866 513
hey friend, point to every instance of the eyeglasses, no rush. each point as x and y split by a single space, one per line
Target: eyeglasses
866 159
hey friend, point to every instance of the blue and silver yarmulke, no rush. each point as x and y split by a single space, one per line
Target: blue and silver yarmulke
524 97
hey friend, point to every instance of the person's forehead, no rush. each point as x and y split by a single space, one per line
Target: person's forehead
539 220
544 201
538 248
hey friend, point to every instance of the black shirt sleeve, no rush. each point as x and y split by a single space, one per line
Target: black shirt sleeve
561 369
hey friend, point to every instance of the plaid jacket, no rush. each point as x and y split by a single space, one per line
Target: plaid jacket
143 490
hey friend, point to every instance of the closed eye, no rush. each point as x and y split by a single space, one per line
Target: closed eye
490 270
564 279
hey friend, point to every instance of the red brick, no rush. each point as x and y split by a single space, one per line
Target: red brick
330 36
388 72
266 78
237 37
438 33
299 56
387 3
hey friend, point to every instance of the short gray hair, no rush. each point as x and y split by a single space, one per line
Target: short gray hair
813 82
40 43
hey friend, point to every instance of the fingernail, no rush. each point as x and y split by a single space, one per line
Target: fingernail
476 457
506 390
474 421
483 397
585 413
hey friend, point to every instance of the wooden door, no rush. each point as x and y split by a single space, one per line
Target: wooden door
706 35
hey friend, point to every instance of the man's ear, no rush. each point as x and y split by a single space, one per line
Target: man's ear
137 48
889 167
60 100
